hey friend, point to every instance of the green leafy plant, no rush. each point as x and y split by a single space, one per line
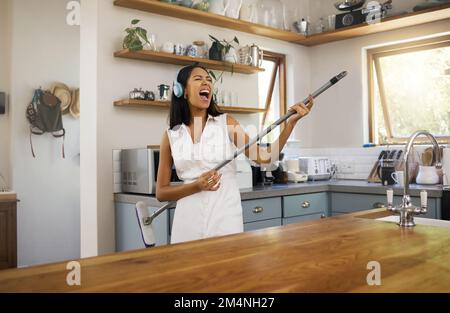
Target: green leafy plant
136 37
216 79
224 45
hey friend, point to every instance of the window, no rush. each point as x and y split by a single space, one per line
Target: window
272 92
409 90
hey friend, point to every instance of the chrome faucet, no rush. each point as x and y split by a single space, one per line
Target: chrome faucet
406 209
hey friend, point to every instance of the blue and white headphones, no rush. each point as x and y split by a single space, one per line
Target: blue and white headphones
178 89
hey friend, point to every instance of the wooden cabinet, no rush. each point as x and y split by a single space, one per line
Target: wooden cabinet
8 234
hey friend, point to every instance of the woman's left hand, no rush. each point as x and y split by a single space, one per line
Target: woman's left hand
301 110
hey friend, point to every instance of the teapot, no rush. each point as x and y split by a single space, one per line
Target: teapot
256 55
163 92
218 6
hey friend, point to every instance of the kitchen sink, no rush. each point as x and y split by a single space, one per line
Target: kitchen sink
417 220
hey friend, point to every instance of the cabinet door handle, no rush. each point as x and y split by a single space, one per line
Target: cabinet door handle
258 210
378 205
306 204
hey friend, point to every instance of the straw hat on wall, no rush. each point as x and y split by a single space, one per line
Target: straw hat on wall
75 103
62 92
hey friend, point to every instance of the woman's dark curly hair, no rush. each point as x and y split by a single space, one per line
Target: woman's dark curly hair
179 107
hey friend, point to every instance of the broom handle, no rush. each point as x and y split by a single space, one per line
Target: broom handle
318 92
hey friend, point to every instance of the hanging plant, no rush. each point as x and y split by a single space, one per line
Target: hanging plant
136 37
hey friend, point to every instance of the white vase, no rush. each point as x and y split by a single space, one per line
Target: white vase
231 56
427 175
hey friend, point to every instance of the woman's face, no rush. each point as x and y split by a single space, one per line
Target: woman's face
199 89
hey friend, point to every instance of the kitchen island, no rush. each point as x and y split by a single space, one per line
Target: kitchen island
327 255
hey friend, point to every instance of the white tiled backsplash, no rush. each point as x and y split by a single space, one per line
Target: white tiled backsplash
352 163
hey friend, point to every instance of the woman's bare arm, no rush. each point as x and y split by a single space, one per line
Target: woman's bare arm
266 155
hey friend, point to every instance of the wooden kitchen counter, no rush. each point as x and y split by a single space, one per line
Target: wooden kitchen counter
329 255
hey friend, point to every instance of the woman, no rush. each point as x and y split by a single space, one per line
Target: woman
198 139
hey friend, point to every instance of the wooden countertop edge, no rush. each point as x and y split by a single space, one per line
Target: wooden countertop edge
8 197
347 231
123 255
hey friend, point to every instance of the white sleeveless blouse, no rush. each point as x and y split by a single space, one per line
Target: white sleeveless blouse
206 213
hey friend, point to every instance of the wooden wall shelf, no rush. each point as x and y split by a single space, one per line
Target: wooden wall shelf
167 9
169 58
387 24
390 23
166 104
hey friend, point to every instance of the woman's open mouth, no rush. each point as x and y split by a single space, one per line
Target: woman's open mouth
204 94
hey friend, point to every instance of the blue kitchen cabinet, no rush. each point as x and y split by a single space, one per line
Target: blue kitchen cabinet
305 207
261 209
353 202
128 234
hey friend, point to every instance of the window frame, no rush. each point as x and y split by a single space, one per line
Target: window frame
280 68
373 56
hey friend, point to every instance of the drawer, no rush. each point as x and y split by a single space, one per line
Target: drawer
352 202
262 224
261 209
299 219
305 204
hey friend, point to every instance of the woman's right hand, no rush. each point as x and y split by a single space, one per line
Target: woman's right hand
209 181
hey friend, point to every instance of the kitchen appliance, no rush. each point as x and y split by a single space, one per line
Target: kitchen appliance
139 170
353 17
315 168
244 174
262 175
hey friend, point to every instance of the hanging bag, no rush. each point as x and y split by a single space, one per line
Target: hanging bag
44 115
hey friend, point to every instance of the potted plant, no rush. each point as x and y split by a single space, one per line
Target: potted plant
215 88
222 50
136 37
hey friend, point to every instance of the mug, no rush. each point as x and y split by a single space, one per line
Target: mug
168 47
180 49
399 178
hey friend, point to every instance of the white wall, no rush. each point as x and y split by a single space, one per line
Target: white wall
340 118
5 87
44 50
